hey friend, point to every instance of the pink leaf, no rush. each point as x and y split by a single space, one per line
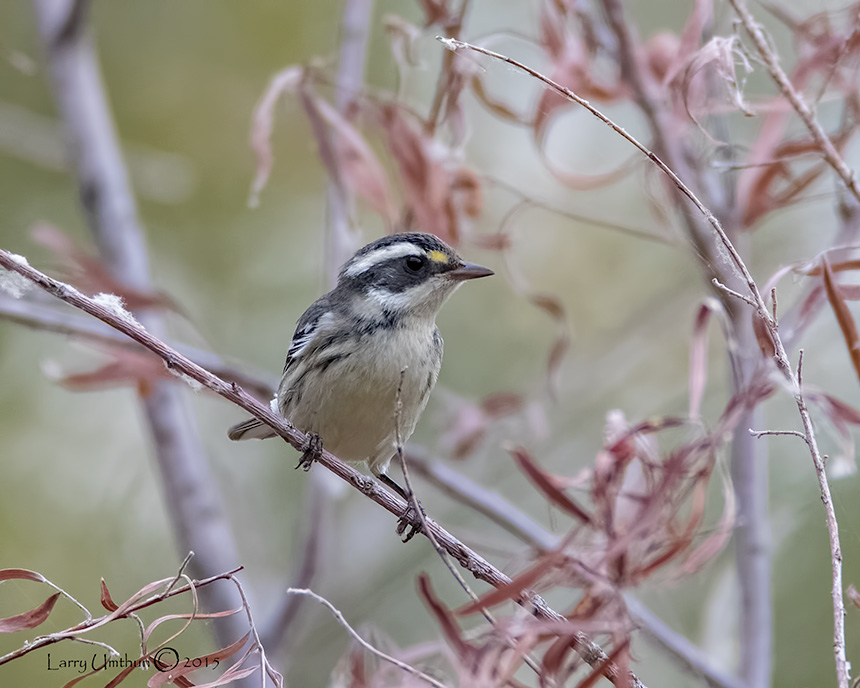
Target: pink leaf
30 619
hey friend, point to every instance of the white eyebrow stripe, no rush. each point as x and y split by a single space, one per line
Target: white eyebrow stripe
382 254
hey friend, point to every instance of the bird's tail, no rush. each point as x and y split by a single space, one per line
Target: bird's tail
251 429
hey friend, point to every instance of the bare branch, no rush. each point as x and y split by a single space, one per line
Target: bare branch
39 316
198 516
780 356
509 517
732 292
727 244
776 433
123 612
771 63
479 567
338 615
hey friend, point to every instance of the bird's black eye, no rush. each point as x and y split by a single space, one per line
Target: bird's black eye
414 263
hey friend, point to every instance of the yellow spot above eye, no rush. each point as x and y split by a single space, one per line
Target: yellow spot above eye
438 256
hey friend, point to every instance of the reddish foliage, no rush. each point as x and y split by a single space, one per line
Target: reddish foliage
232 674
89 275
426 183
843 316
21 574
124 367
445 619
31 619
106 599
548 485
514 589
347 156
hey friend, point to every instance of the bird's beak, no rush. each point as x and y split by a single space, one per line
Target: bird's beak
468 271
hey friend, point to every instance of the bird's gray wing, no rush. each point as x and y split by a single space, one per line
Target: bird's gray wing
307 328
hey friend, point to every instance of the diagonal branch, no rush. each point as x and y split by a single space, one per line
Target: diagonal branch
725 242
197 513
748 460
470 560
507 516
807 116
41 317
780 357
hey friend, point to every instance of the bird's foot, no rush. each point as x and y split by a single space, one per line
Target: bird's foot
311 451
411 522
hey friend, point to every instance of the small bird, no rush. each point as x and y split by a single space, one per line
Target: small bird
373 334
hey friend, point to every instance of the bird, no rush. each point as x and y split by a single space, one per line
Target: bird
369 344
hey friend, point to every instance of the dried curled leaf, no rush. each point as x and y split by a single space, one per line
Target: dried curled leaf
262 124
87 273
514 589
450 627
714 543
31 619
843 316
21 574
426 183
347 156
106 599
162 677
549 485
722 54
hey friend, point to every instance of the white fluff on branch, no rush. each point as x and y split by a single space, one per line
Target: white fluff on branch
115 305
11 282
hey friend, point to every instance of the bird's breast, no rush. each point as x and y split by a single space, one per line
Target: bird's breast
352 403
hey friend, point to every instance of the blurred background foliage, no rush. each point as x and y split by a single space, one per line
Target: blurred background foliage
79 495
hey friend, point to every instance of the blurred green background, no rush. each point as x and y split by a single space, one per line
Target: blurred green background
79 495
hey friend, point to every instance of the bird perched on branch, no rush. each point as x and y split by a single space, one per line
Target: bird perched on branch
373 334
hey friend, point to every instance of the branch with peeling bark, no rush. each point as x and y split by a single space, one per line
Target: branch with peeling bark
197 376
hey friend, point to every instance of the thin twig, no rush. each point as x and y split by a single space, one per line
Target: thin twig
828 150
265 667
89 641
843 669
443 555
338 615
39 316
482 500
776 433
731 292
198 517
416 505
479 567
276 629
780 356
181 572
509 517
727 244
91 623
